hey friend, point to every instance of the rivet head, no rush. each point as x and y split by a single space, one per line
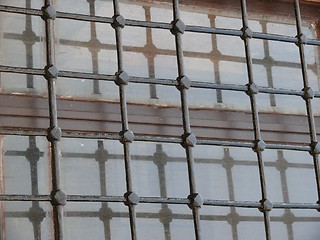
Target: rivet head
51 72
318 209
266 205
59 198
178 26
252 88
118 21
54 134
196 200
126 136
183 82
131 198
188 140
246 33
49 12
122 78
302 39
315 148
308 93
259 146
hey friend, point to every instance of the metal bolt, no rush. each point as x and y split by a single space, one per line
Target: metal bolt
302 39
131 198
252 88
308 93
59 198
196 200
315 148
246 33
188 140
266 205
259 146
118 21
183 82
122 78
54 134
48 12
126 136
51 72
178 26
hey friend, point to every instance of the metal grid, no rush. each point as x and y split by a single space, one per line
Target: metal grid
58 198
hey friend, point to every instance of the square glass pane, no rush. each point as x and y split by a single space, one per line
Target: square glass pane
26 220
92 167
25 165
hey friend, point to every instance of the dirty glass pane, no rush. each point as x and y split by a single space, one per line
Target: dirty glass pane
26 220
25 165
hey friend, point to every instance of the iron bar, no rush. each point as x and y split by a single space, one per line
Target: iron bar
158 25
188 139
126 134
54 132
155 81
258 141
308 95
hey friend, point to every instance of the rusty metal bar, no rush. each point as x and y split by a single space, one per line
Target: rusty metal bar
158 25
188 138
126 135
259 144
308 96
54 132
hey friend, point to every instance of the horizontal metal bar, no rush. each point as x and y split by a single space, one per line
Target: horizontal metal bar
158 25
156 81
16 197
155 139
20 10
83 17
296 205
22 70
159 200
274 37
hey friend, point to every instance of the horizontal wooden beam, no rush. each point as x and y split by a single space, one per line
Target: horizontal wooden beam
31 112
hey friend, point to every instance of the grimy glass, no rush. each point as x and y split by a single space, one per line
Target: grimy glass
58 198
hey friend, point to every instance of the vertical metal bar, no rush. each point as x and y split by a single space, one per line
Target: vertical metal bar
308 95
126 135
259 143
54 132
188 139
